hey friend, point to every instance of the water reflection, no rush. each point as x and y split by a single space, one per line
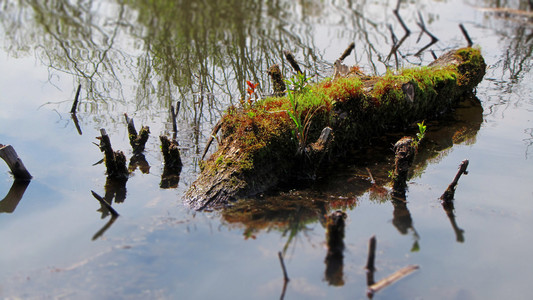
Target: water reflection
291 212
13 197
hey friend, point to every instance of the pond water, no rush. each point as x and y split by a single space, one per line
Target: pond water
138 57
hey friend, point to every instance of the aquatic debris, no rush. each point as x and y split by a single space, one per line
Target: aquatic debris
258 149
13 161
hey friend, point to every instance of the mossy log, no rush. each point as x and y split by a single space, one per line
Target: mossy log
259 145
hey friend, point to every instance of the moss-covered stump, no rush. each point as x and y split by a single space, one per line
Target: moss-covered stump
261 144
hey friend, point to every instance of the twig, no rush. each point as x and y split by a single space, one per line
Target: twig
385 282
285 276
422 26
465 33
213 134
76 122
174 115
396 12
75 104
450 191
397 45
292 61
433 54
371 177
108 206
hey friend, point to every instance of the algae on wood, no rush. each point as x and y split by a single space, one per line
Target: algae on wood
258 149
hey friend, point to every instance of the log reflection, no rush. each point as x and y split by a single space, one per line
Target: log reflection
335 241
13 197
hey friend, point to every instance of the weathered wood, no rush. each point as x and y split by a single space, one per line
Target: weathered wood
172 163
278 84
15 164
404 151
258 149
115 161
137 141
75 103
385 282
448 195
292 62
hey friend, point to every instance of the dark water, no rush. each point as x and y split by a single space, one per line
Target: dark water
141 56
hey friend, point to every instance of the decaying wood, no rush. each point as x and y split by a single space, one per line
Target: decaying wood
211 138
172 163
278 84
115 161
9 155
239 169
292 62
448 195
347 52
137 141
404 151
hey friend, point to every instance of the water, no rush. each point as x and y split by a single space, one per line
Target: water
139 56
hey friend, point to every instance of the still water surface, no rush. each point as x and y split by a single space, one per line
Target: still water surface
141 56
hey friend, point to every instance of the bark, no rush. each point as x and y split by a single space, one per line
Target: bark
258 147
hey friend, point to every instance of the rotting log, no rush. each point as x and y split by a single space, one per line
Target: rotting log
258 149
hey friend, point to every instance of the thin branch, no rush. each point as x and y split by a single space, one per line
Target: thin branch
285 276
75 104
465 33
450 191
108 206
385 282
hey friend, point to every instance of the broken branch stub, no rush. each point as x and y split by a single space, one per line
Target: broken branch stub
403 158
137 141
13 161
115 161
172 163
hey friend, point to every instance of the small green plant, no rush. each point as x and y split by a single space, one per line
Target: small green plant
298 83
299 88
420 134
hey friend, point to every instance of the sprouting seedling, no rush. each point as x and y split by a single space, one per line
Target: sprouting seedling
420 134
421 131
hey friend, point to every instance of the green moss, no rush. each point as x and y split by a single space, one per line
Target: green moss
473 67
259 140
